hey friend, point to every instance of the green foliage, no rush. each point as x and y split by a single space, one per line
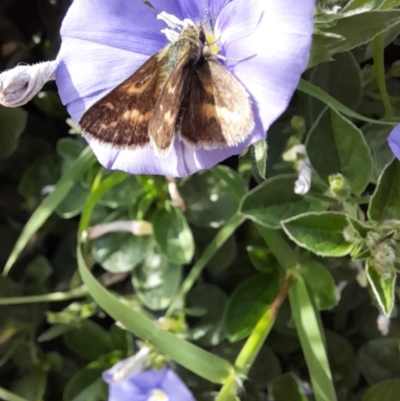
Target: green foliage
297 293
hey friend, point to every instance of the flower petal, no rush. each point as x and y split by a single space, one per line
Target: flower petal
198 10
275 36
136 387
394 141
175 388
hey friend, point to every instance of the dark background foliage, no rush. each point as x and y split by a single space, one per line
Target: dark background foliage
57 350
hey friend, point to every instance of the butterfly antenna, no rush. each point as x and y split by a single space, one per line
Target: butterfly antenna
148 4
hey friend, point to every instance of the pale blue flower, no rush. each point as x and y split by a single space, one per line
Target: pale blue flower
104 42
394 141
150 385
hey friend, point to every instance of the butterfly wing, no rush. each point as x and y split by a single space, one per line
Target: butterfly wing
121 117
218 112
162 125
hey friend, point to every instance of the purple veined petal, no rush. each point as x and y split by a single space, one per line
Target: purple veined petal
181 161
276 35
125 391
137 387
197 10
394 141
117 23
175 388
149 380
140 161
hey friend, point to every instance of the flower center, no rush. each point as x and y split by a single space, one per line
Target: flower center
158 395
175 27
212 43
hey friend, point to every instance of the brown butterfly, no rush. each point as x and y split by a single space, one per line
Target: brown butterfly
180 91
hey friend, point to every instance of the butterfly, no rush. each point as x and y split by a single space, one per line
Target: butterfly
182 91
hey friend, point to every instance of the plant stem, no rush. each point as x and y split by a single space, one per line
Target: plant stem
223 235
106 279
251 348
283 253
52 297
379 65
244 361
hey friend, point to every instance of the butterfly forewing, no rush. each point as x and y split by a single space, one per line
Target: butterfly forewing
162 125
218 112
121 117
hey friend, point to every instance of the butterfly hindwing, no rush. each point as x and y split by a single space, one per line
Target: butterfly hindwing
122 116
218 113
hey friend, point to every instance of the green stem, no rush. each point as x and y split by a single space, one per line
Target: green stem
52 297
244 361
223 235
250 350
283 253
379 65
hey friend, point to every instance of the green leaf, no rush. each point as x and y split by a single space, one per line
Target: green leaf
349 33
342 360
379 360
44 171
274 200
73 203
210 251
70 148
320 233
382 286
12 124
287 387
88 340
354 7
212 197
248 302
85 385
340 78
321 284
262 259
376 137
259 151
6 395
312 90
156 281
121 340
54 332
173 235
209 328
223 257
385 202
335 145
120 252
387 390
308 327
49 204
32 385
123 194
265 368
